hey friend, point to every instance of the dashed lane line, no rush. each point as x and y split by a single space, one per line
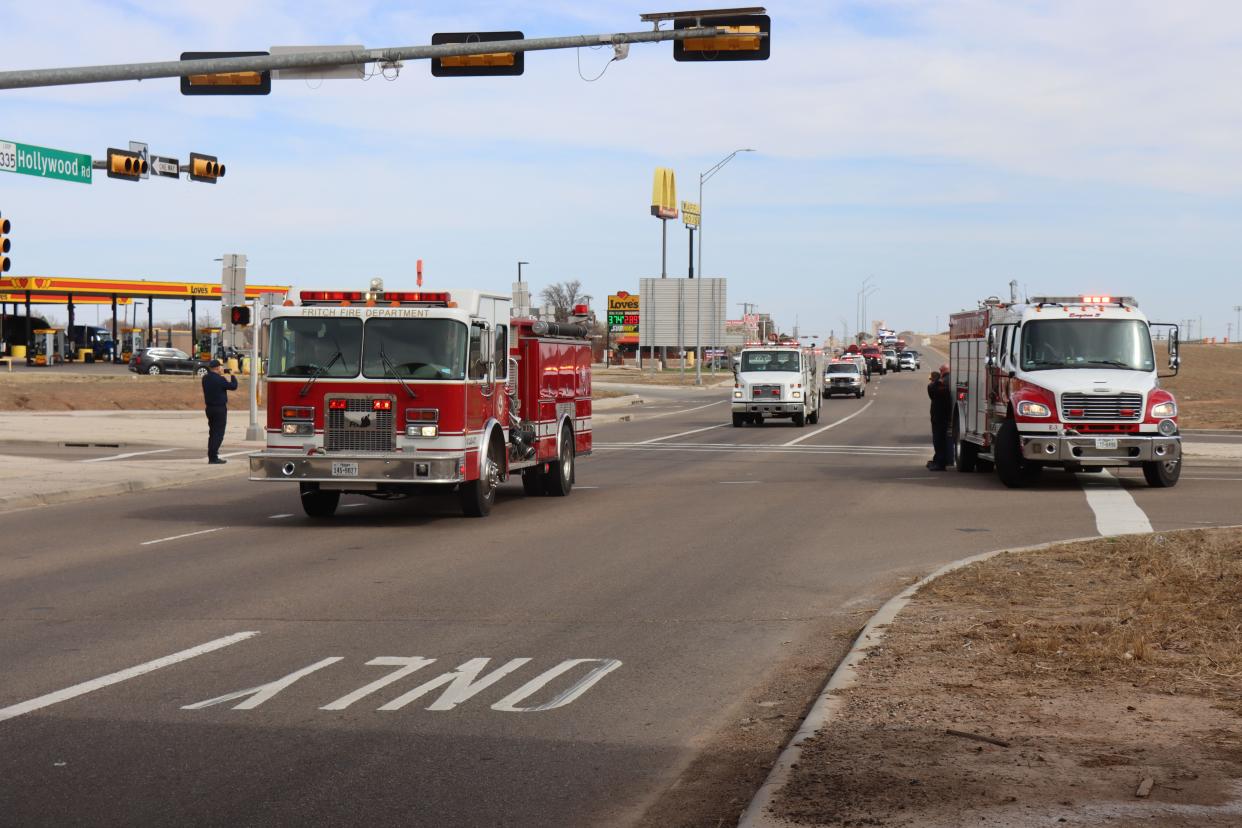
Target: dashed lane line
680 434
797 440
123 675
279 517
685 410
179 537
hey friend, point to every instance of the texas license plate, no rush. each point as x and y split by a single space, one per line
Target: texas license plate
347 469
1106 442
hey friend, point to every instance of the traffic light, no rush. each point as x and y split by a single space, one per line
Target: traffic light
749 37
126 165
5 246
489 64
205 168
239 315
226 83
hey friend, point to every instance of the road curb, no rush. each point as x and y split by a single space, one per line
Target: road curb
828 704
63 496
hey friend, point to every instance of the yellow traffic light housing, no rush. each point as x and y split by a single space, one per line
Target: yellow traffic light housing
226 83
744 37
5 245
205 168
484 65
126 165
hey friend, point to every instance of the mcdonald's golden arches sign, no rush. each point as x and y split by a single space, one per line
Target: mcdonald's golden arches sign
664 194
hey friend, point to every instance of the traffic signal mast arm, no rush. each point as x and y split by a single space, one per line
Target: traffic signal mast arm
68 76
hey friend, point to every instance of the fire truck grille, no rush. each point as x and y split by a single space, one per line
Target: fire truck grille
1102 406
358 427
765 392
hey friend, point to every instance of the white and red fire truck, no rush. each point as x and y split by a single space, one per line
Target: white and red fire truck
1062 381
778 379
390 394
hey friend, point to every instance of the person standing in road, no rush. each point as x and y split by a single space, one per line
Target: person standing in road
216 399
941 410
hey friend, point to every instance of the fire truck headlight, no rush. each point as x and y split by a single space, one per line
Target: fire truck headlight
1167 427
1167 408
797 395
421 431
1028 408
737 395
298 428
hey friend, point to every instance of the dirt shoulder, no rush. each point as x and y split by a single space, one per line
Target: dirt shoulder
673 376
1208 387
1101 682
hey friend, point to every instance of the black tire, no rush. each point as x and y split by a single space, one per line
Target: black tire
478 496
532 481
862 392
814 418
317 503
756 419
1162 474
739 420
799 420
967 453
1014 470
153 369
985 466
559 479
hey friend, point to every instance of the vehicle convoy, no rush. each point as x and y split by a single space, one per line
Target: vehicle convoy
1068 382
909 361
778 381
876 360
395 394
844 377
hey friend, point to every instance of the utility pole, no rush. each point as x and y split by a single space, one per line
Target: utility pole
1238 327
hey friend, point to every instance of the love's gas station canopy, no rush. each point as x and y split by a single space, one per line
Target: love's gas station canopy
73 287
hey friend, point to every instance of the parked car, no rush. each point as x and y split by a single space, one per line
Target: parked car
909 361
166 361
844 378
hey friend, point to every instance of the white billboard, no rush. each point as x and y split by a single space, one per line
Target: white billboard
682 313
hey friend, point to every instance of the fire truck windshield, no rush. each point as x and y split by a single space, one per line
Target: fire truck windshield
424 349
1087 343
770 361
308 346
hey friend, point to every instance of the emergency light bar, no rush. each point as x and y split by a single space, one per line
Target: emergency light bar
421 297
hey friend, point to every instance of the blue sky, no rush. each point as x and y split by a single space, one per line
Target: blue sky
942 148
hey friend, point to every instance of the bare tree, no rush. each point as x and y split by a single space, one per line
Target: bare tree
562 296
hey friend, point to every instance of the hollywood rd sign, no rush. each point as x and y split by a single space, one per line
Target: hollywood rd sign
45 162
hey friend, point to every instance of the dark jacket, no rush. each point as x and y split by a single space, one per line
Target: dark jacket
941 396
216 389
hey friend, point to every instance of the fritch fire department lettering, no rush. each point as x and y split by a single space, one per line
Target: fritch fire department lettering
460 685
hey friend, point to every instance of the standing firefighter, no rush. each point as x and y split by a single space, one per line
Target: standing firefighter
216 400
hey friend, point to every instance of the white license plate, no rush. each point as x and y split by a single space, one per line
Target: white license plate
349 469
1106 442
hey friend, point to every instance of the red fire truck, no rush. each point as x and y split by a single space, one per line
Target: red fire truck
1062 381
390 394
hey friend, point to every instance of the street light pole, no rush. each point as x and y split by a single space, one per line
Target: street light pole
704 177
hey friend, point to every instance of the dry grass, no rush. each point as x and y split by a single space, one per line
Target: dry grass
1209 385
672 376
1162 611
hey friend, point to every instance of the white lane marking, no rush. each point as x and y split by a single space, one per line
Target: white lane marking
683 411
509 703
352 505
585 487
735 482
1116 513
682 434
803 451
1212 478
843 447
127 454
236 453
122 675
797 440
278 517
179 537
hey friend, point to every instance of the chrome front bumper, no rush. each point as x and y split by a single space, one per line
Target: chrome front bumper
1131 448
318 468
775 407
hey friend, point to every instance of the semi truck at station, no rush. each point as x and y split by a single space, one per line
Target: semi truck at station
779 380
1062 381
394 394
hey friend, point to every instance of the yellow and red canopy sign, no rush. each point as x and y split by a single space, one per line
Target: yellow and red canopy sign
126 287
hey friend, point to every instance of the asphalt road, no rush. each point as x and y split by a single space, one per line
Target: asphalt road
564 662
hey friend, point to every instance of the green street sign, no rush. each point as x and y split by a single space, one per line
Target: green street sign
44 162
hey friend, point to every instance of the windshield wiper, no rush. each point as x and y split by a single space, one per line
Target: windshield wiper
1114 362
388 366
319 372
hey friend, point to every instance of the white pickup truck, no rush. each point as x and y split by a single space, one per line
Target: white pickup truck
783 381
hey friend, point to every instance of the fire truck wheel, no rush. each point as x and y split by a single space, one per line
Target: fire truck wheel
1162 474
319 504
1014 470
739 420
756 419
532 481
967 452
799 420
559 480
477 496
814 418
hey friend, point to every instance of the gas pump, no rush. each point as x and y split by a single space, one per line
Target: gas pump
210 344
132 341
48 347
